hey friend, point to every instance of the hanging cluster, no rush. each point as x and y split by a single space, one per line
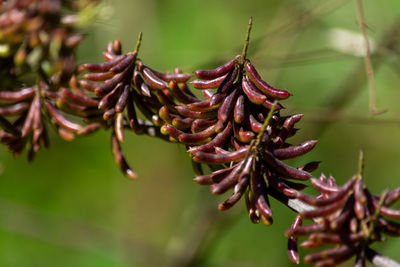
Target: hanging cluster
246 155
36 37
347 217
39 35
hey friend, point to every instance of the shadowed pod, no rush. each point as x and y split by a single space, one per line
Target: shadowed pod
27 108
347 217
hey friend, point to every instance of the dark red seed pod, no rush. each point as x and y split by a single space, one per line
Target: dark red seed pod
306 229
212 74
120 159
171 130
228 181
323 187
263 86
202 105
292 243
131 113
323 211
252 92
251 207
341 194
119 127
200 124
287 129
14 109
109 114
224 112
80 99
101 76
194 114
211 158
180 95
167 77
335 238
219 140
260 195
309 244
239 110
228 81
392 197
88 129
241 135
389 227
122 100
343 217
198 137
110 84
295 151
61 120
123 64
182 124
152 80
217 98
310 167
214 177
208 84
19 95
254 124
286 170
388 212
337 253
103 67
232 200
109 99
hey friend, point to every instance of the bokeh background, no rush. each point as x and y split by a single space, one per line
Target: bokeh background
72 206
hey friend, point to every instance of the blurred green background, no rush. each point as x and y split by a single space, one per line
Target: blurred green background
72 206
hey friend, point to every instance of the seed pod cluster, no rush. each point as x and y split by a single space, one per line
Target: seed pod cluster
38 34
347 217
115 89
28 105
105 96
219 132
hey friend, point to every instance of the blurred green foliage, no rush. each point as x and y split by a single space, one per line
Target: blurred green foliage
72 206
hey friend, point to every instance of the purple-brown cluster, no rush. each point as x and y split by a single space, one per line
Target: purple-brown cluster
37 39
28 107
226 132
38 34
346 218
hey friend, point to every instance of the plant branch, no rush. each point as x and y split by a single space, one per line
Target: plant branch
367 60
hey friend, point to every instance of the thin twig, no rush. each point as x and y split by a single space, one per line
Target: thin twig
246 42
367 60
360 164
